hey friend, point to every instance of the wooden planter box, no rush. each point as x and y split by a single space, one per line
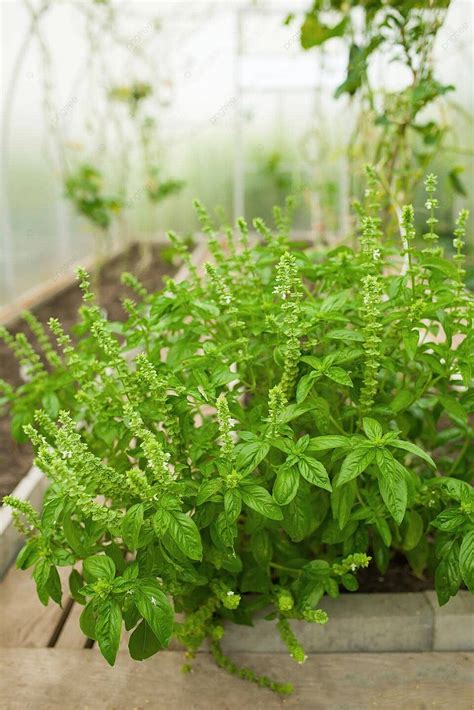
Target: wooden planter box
387 651
47 664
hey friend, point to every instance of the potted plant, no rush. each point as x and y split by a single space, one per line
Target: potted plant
289 419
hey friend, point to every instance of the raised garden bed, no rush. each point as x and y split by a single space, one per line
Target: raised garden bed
415 669
345 667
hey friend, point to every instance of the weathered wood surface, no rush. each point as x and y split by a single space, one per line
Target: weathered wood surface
39 679
36 677
24 620
71 635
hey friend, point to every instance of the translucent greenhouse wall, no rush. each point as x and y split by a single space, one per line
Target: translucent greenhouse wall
243 117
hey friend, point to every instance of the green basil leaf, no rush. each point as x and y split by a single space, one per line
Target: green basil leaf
412 530
413 449
41 573
87 621
342 500
260 500
343 334
75 585
286 485
293 411
223 531
74 536
384 531
339 375
322 443
449 520
350 582
208 489
185 534
108 629
448 575
143 643
28 554
372 428
53 586
249 455
305 385
454 408
354 464
232 504
314 472
155 608
317 569
99 567
161 521
466 560
51 404
131 525
299 516
392 485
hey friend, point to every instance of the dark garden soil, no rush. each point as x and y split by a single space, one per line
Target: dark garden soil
397 578
16 459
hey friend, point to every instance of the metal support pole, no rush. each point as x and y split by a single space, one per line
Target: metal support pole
239 158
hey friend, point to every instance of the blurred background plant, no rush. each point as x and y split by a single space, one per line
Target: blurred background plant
130 110
399 131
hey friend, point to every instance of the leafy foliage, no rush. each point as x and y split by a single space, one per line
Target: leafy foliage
84 188
253 436
392 131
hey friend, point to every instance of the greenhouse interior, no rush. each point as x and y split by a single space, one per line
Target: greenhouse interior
237 354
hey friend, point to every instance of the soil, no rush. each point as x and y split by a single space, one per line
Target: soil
397 578
150 268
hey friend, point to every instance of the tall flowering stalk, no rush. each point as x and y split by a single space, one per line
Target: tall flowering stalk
288 287
372 326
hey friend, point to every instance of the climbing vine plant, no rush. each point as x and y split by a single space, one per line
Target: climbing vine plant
399 131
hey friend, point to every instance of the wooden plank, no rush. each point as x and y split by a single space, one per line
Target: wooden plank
71 635
25 621
54 678
30 488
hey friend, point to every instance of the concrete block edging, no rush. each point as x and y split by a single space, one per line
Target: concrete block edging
361 623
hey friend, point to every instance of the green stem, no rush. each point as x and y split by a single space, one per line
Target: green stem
291 570
460 457
264 681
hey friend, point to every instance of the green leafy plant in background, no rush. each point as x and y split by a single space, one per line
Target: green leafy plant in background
393 130
131 95
158 189
252 437
127 144
273 169
84 188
